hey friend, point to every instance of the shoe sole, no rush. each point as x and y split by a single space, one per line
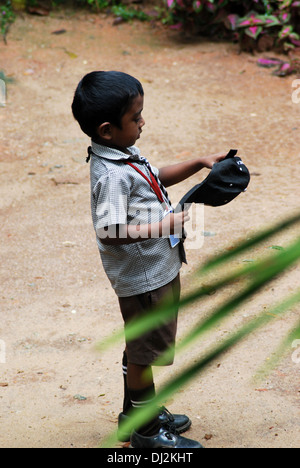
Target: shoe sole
184 428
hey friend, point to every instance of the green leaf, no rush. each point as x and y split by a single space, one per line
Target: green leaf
248 281
137 419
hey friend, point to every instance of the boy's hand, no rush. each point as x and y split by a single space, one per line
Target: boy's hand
174 223
209 161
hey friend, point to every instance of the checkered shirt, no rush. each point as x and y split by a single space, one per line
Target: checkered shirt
120 195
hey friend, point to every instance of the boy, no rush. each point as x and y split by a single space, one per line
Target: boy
135 227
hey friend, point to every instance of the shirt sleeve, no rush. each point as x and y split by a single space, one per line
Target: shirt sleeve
111 196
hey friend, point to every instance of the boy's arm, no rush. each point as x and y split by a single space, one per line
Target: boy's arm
176 173
131 234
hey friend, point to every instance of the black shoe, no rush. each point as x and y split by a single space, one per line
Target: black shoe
174 423
163 439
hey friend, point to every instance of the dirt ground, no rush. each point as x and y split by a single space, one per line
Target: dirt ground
56 302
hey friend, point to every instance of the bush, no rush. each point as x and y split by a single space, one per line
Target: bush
43 8
262 24
7 17
256 24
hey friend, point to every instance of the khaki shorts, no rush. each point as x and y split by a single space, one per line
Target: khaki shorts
145 350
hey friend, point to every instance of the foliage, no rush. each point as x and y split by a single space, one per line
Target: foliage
261 24
7 17
213 276
274 23
129 14
116 7
96 5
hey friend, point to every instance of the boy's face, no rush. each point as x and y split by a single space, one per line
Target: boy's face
132 124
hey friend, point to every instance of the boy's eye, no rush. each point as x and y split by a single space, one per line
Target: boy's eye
138 117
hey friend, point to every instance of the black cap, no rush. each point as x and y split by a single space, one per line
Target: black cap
227 179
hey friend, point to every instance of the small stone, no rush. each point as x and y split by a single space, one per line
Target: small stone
79 397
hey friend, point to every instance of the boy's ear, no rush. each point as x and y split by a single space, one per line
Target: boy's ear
104 131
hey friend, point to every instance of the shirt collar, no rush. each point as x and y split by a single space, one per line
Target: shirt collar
114 154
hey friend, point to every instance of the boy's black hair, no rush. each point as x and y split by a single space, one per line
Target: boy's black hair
104 97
